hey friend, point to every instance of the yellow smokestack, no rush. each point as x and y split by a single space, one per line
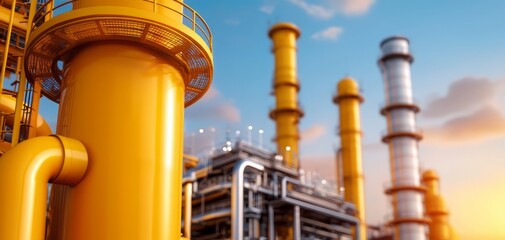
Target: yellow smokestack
348 98
436 209
287 112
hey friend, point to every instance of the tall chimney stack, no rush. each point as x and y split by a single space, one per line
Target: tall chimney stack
402 137
436 210
348 98
287 112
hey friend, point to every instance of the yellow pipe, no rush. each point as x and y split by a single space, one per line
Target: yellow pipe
49 10
8 104
7 43
349 98
25 171
286 113
188 205
19 23
436 209
126 104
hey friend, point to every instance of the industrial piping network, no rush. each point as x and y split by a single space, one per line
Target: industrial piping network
348 99
134 63
109 173
402 137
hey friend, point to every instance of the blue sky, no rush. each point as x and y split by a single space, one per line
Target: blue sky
458 74
458 80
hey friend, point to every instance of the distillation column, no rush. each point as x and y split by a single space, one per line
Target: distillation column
287 112
402 137
348 98
436 210
129 69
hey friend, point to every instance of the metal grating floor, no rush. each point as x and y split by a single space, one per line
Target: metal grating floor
45 50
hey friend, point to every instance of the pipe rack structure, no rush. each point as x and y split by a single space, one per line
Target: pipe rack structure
247 193
402 137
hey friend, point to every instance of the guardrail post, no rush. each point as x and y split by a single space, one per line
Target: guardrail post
194 20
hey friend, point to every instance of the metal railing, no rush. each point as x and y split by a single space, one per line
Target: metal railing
195 21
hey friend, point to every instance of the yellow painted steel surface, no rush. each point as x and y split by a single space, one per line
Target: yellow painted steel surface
24 174
21 90
5 54
133 187
8 104
440 229
349 98
287 112
19 21
157 25
129 68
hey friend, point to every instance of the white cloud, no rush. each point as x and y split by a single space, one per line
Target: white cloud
268 9
355 7
213 106
313 133
315 10
331 33
463 94
468 112
326 9
484 124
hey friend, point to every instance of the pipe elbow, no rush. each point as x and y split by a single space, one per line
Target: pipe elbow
25 171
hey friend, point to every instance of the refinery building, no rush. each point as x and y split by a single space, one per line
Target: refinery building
141 63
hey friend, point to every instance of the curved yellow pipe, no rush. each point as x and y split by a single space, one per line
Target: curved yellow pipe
8 104
25 171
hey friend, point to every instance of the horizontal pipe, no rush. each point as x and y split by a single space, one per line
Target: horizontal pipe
211 215
25 171
350 219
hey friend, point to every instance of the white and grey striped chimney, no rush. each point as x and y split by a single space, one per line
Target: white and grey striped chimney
405 191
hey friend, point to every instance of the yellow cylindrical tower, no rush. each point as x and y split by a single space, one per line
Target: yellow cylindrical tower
436 209
348 98
287 112
129 69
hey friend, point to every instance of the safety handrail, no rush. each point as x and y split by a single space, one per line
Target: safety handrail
207 35
194 18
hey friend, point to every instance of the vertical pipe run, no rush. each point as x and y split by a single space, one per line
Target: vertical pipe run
271 223
25 171
237 197
22 88
7 44
348 98
402 137
297 225
287 112
188 206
